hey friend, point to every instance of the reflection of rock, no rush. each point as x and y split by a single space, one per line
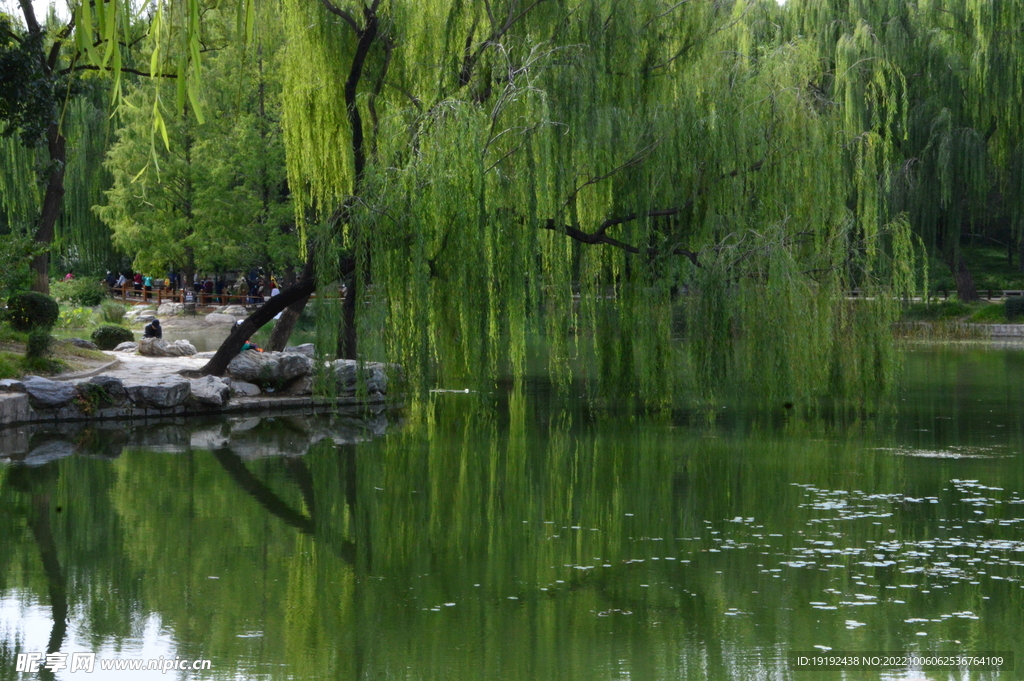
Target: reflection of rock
161 393
170 309
220 318
248 438
47 394
158 347
210 390
269 369
347 371
127 346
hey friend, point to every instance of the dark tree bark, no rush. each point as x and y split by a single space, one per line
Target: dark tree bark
52 201
240 333
286 324
965 288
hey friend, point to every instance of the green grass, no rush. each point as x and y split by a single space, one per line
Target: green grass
936 311
989 268
988 313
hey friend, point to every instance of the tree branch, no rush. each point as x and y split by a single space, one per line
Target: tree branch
345 16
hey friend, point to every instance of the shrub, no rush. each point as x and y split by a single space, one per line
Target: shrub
109 336
1014 308
84 292
75 318
39 343
30 310
111 312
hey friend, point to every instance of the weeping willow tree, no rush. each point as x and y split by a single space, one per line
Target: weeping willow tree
930 94
484 171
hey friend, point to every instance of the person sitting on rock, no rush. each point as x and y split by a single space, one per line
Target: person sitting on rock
153 330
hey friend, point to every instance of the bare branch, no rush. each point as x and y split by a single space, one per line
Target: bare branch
344 14
632 161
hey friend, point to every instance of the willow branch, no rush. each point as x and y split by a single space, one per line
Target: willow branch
344 14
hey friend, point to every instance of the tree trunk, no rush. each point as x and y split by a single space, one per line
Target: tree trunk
1020 253
286 324
240 333
347 338
965 289
52 201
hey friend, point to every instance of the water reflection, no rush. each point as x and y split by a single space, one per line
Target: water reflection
513 536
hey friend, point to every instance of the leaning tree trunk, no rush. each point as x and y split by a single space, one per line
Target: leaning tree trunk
240 333
965 288
286 324
52 201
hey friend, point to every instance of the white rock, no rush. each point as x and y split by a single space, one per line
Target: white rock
345 371
49 394
236 310
219 318
210 390
161 393
169 309
128 346
244 389
272 369
158 347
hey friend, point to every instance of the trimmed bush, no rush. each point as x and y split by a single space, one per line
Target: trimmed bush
39 343
29 310
1014 308
109 336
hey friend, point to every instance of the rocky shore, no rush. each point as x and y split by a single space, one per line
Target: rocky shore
164 381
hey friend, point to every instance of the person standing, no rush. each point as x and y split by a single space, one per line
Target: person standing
147 285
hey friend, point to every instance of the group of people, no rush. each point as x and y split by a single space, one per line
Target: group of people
253 288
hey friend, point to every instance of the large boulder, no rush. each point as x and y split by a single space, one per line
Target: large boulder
108 390
236 310
219 318
170 309
160 393
136 312
307 349
241 388
347 373
81 343
158 347
128 346
269 369
46 394
210 390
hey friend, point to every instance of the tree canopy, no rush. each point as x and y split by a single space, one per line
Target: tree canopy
670 196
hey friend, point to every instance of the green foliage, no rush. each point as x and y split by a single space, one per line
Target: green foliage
1013 308
934 311
109 336
112 312
39 344
82 291
30 310
75 318
988 313
15 254
217 199
10 365
91 396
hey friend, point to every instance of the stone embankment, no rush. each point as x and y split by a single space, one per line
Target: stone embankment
160 379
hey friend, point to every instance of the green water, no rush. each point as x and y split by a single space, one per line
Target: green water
519 536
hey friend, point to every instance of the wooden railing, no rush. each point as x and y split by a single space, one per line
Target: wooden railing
157 295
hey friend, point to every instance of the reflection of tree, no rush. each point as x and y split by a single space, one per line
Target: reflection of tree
38 484
268 499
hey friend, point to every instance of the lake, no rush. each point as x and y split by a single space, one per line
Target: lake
521 535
